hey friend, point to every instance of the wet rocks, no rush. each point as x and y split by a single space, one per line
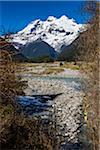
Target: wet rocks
67 106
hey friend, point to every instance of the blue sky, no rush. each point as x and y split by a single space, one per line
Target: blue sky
15 15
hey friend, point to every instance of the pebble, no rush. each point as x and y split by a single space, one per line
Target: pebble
68 105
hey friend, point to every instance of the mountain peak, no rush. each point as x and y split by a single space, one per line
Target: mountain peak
51 18
37 20
54 31
63 17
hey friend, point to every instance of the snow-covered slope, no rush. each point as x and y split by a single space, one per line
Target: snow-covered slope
55 32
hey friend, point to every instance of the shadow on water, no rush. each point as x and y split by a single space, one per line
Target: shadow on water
37 105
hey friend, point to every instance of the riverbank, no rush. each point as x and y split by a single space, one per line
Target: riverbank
66 106
49 109
55 69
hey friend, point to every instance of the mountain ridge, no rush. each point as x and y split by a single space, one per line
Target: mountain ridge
54 31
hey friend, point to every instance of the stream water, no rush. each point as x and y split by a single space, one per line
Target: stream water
43 105
38 106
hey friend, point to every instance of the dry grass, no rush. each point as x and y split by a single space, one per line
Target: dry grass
7 81
17 131
53 70
28 64
71 65
89 48
27 133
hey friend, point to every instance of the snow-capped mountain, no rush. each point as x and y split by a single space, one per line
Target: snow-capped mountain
55 32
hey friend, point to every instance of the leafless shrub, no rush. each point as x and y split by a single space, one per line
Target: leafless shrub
17 131
89 52
9 87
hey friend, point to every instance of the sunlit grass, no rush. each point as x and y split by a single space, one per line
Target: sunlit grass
71 65
53 70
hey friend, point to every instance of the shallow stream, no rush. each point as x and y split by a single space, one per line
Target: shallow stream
43 105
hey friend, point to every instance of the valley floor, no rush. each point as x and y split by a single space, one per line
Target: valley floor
66 108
